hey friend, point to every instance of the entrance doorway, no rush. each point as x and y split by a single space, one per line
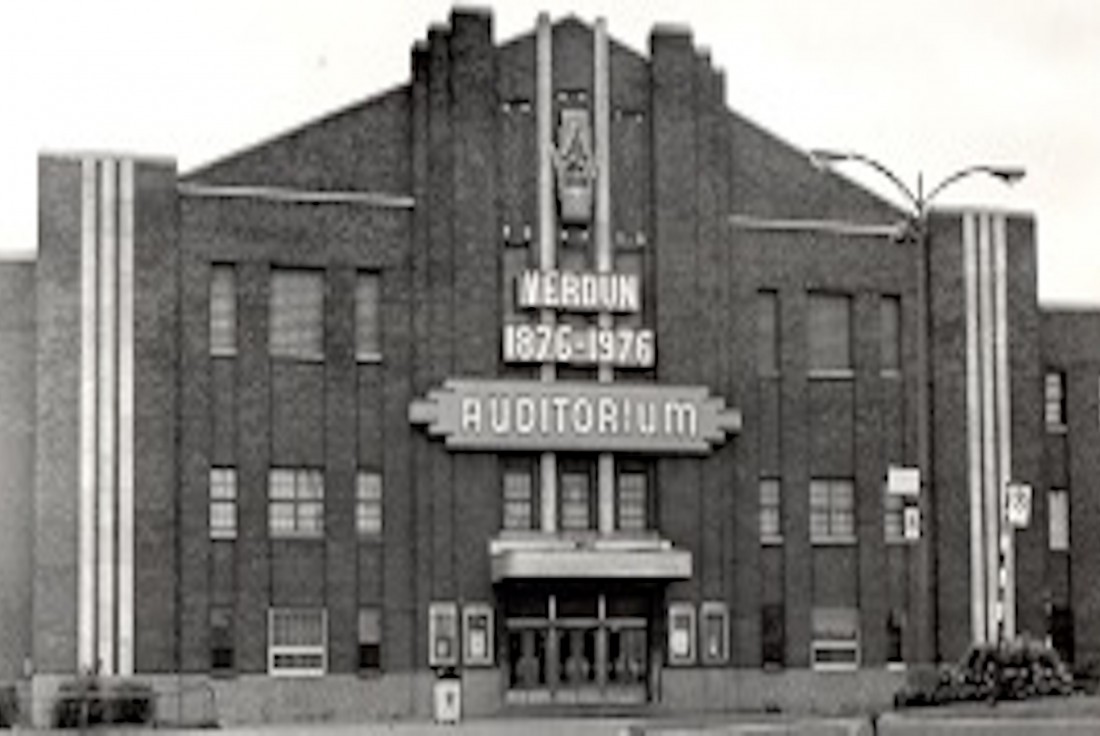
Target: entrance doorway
577 645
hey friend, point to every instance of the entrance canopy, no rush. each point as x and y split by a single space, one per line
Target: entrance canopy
587 557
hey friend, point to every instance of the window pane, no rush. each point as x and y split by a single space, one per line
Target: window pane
518 499
893 513
368 342
829 332
632 500
297 314
223 310
890 353
281 484
767 332
842 514
368 503
1055 405
574 501
770 517
223 483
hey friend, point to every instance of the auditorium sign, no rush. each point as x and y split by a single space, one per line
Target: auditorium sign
563 415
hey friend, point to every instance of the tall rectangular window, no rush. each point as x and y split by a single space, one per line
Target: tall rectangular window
767 333
893 517
368 337
575 487
368 503
632 496
835 638
1058 517
222 650
890 334
832 511
223 310
370 639
223 503
296 641
297 314
895 633
1054 394
771 515
773 640
520 499
296 502
829 331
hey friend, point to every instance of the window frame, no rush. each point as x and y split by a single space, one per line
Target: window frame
767 537
831 535
370 514
216 499
526 467
1052 544
820 643
1058 403
296 502
218 347
275 650
299 353
637 468
768 305
368 354
823 371
578 466
886 344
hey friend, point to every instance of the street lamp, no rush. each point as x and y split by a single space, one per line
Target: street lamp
919 206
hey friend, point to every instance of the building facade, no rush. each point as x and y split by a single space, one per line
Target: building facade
548 370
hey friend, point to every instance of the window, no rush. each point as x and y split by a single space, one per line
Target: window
296 641
767 333
835 635
368 503
296 503
297 314
681 633
221 639
890 334
1058 516
223 310
715 620
632 496
1055 401
771 517
893 517
575 488
895 630
773 641
829 328
370 639
832 511
223 503
518 488
477 623
443 634
368 339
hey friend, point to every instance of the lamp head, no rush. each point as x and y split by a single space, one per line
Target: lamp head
822 158
1008 174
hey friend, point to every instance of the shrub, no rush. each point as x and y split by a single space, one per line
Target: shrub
1013 670
85 701
9 706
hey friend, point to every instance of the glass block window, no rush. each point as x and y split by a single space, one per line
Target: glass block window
714 632
296 502
368 503
1054 395
632 494
368 336
223 503
370 639
297 314
829 329
1058 517
296 641
223 310
767 333
832 510
520 501
890 334
222 650
835 638
771 514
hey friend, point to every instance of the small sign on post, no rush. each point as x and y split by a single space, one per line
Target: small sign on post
903 481
912 522
1018 504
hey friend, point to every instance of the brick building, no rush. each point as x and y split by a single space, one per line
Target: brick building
546 368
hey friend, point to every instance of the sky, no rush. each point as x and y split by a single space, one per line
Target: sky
926 87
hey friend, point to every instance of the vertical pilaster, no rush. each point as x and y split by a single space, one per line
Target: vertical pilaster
601 110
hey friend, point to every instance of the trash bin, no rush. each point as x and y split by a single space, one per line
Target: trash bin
447 697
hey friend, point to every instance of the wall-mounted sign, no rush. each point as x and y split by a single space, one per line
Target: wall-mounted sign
1018 504
576 166
563 343
903 481
595 417
578 292
911 520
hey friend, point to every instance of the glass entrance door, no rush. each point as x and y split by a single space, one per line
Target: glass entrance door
577 647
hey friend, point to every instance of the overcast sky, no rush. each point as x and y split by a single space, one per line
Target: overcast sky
922 85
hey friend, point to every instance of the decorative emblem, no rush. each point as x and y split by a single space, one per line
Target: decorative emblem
575 165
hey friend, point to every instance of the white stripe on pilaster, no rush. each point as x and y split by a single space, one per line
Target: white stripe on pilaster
602 113
989 428
547 239
86 565
126 419
108 354
1004 413
973 431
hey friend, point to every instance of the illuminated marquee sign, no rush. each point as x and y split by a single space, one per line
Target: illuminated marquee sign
594 417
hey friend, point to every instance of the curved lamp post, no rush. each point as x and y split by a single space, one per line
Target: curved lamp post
919 206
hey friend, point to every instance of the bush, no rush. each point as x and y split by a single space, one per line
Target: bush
1014 670
9 706
86 702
